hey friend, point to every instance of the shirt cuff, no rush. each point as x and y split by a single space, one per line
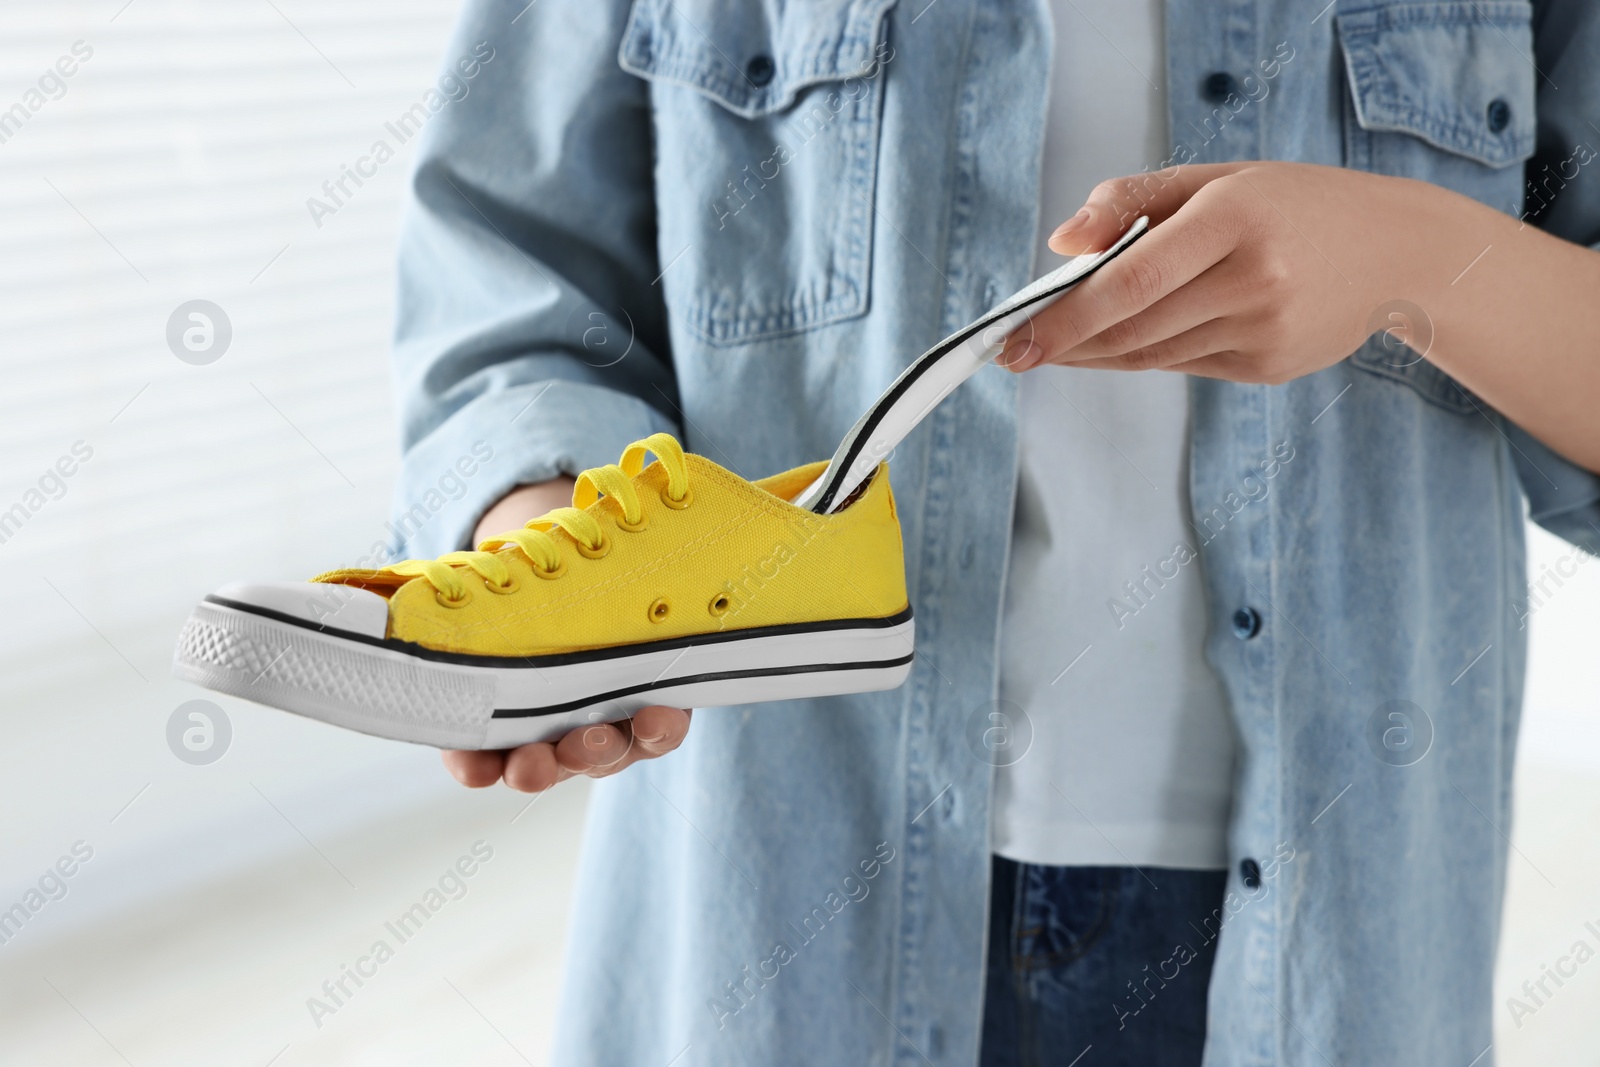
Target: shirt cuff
1563 497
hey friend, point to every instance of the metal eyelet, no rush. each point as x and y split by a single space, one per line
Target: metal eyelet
549 576
444 601
659 610
719 605
678 505
597 551
644 521
511 586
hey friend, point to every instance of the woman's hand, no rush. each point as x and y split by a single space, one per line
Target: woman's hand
598 750
1255 272
1263 272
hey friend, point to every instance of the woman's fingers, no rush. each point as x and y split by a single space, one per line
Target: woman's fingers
1159 264
1188 347
534 768
596 751
1213 295
658 730
1225 365
1114 205
475 769
608 748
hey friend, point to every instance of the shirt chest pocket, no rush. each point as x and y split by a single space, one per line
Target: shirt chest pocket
766 119
1442 92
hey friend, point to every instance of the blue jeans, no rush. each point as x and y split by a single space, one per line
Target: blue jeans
1099 966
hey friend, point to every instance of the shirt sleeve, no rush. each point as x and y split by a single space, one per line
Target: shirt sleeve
1563 198
529 329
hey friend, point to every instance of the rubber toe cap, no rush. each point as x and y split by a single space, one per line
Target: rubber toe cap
326 606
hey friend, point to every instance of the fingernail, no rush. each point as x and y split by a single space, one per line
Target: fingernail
1071 226
643 740
1021 355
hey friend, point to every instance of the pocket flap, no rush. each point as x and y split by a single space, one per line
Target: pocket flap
750 58
1458 75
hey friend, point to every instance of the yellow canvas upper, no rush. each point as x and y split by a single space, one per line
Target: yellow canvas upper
732 555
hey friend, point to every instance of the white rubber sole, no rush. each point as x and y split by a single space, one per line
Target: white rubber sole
395 690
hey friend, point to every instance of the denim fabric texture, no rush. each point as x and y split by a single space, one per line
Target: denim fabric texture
1104 962
737 221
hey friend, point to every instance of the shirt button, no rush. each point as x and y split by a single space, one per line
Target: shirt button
1499 114
1246 623
760 70
1218 86
1250 872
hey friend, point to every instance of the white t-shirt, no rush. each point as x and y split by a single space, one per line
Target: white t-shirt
1132 752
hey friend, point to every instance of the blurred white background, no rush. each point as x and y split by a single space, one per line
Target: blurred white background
173 165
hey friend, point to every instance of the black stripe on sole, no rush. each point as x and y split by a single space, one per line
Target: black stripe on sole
565 659
695 679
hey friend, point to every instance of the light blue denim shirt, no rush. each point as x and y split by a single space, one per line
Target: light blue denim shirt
737 221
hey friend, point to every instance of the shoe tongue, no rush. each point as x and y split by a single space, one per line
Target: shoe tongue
384 583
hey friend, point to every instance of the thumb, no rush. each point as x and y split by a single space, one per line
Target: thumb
1115 205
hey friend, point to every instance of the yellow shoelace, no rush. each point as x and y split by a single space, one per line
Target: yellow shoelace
543 550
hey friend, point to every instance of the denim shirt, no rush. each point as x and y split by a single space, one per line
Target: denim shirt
736 222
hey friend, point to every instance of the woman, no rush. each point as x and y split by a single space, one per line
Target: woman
1208 747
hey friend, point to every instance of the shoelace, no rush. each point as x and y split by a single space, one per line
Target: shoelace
615 480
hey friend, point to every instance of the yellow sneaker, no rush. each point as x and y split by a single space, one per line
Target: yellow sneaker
678 583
